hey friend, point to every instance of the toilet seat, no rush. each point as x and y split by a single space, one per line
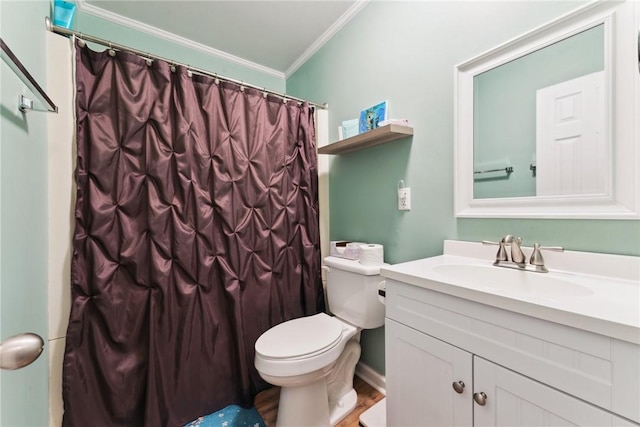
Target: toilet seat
302 345
300 338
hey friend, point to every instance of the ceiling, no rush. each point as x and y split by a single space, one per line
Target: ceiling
278 35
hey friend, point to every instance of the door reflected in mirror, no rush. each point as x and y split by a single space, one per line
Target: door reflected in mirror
539 125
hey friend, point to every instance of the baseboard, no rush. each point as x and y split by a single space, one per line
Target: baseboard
372 377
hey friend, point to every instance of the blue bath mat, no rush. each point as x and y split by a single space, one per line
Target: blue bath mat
231 416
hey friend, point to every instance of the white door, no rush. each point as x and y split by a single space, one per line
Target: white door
571 141
514 400
420 377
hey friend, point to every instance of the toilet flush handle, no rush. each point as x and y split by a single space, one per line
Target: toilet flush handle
382 291
382 288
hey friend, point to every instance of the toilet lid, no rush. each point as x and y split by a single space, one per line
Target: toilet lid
300 337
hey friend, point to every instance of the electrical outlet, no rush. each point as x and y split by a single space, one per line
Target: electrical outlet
404 199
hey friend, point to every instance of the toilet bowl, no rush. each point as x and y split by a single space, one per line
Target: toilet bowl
301 356
313 358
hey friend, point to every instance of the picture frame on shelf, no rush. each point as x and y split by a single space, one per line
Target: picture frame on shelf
372 116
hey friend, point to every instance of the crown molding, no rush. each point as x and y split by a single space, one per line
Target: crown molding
174 38
326 36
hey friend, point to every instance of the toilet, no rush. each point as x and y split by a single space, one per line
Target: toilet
313 358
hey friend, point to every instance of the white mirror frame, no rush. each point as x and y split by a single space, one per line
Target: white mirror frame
621 200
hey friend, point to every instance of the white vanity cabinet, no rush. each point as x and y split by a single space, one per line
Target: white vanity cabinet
533 372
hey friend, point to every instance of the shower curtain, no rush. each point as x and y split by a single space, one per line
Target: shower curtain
196 230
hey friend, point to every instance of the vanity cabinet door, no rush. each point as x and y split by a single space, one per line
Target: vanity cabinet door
420 376
515 400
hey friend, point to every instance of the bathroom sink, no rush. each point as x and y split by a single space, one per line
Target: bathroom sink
501 280
596 292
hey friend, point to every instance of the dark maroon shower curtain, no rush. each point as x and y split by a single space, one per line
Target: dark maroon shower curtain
196 230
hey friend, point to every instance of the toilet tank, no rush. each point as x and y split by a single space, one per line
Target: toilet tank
352 292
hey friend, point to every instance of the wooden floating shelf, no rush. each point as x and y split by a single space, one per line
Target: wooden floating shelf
372 138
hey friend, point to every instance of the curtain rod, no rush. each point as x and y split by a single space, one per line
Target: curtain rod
116 46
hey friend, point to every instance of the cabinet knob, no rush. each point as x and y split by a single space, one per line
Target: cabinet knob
480 398
458 386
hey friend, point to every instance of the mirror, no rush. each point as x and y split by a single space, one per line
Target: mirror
516 152
535 125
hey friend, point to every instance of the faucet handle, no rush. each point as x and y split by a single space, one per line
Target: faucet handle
502 253
536 255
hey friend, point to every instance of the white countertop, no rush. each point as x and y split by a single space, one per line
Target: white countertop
602 304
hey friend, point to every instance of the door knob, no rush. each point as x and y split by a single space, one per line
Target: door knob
458 386
480 398
20 350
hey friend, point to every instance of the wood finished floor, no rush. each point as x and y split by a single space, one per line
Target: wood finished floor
266 403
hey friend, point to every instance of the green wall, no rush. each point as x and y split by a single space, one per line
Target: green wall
505 110
116 33
405 52
23 214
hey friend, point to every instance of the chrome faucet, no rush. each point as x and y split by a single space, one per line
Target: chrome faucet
518 259
517 256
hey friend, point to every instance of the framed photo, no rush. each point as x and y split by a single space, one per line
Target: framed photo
370 117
